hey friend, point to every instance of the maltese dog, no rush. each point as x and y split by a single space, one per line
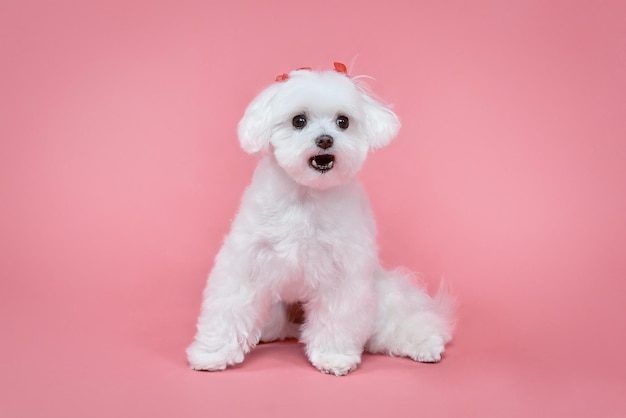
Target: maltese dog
305 237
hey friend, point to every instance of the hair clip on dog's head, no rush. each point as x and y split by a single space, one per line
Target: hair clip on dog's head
339 67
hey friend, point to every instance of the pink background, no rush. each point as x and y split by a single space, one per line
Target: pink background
120 172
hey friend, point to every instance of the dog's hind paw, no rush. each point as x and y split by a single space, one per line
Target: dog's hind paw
429 350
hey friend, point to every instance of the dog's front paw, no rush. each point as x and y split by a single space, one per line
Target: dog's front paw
429 350
201 357
337 364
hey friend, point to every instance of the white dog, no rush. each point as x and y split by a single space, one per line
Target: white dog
305 233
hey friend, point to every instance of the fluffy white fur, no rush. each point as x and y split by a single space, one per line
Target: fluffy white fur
308 235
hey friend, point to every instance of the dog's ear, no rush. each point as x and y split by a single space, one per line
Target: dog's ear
381 124
255 127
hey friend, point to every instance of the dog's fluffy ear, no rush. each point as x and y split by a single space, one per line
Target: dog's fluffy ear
255 127
381 124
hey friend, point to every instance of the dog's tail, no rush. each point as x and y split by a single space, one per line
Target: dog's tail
445 303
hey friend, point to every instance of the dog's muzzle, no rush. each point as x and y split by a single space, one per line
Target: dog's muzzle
322 162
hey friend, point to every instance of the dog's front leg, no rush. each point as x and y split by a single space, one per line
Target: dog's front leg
230 322
338 323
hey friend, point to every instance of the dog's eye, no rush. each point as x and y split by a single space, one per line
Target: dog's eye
299 121
343 122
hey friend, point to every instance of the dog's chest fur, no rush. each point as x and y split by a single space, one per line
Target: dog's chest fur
302 238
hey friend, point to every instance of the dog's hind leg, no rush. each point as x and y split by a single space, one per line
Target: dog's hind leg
410 323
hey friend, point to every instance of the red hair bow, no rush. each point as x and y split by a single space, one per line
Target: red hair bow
339 67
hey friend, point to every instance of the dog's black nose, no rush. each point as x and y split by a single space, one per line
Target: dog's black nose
324 141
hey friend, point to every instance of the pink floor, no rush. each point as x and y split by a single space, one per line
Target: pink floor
120 172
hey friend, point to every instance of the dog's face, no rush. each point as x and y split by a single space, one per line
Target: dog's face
318 125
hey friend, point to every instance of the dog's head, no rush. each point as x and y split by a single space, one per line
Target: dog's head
318 125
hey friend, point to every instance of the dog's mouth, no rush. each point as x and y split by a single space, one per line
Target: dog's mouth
322 163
